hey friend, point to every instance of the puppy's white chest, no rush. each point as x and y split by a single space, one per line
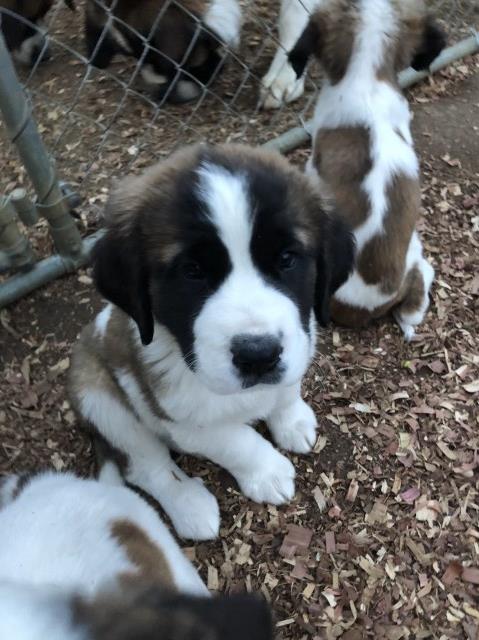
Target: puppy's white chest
198 406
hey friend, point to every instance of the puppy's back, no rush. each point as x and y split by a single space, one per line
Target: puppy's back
83 534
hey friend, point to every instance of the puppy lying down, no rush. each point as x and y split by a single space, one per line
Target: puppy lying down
87 560
213 262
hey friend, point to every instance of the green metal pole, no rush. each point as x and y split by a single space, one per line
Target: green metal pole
22 131
17 252
44 272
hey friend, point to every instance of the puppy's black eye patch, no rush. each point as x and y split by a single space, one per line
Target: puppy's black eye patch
181 288
201 266
192 270
287 260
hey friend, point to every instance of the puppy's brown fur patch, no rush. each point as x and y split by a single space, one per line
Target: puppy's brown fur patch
383 257
342 159
96 359
332 28
144 554
413 292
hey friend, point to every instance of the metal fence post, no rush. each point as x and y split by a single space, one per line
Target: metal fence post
23 132
17 251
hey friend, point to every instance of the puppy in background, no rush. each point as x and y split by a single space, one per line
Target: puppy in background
213 262
363 155
25 35
184 40
281 85
89 560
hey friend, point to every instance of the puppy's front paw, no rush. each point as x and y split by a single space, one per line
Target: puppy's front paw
280 87
294 428
196 514
272 483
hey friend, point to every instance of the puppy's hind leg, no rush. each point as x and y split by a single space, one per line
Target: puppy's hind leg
412 308
147 464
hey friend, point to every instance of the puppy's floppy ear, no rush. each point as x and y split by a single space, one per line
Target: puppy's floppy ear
121 276
309 42
334 264
432 43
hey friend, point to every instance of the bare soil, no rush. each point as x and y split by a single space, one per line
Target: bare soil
382 538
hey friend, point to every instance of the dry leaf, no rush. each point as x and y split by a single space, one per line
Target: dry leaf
450 455
471 387
470 574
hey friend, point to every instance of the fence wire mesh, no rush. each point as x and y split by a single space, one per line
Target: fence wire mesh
101 124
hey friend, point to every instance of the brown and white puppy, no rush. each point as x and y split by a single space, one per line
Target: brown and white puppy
180 44
363 154
213 261
23 28
89 560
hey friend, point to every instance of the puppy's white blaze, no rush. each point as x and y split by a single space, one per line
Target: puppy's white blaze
227 198
223 17
245 302
102 320
377 25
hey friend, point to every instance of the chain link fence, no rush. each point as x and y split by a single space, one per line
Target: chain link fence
100 124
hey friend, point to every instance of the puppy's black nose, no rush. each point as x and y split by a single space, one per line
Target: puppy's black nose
255 355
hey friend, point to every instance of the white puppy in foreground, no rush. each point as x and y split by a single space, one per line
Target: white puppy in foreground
87 560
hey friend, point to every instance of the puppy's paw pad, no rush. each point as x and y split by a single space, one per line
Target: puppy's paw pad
279 88
197 514
295 429
273 483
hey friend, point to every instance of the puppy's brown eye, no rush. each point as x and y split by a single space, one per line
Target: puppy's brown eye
193 271
287 260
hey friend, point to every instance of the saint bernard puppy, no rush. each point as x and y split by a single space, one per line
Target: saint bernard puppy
23 28
213 262
180 45
89 560
363 155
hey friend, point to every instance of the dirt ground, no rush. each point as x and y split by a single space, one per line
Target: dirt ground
382 538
